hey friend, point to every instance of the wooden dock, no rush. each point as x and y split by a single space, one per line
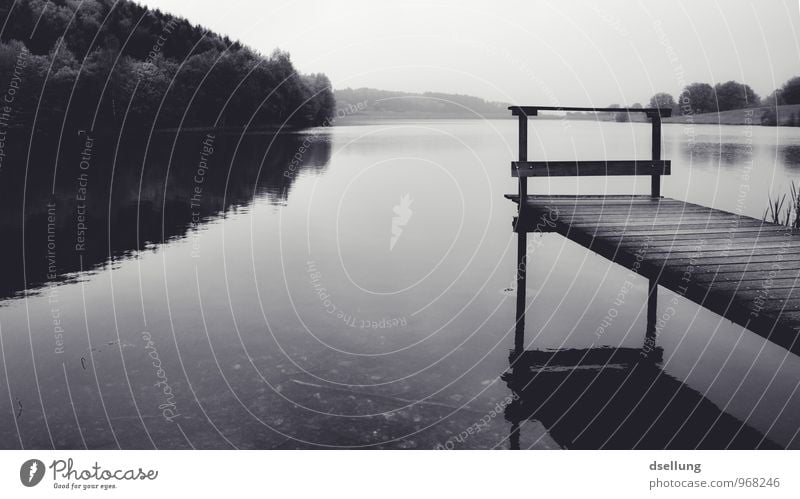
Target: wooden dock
741 268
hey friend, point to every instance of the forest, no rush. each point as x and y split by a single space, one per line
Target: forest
104 64
701 98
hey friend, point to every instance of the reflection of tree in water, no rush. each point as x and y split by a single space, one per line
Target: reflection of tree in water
791 156
726 153
122 216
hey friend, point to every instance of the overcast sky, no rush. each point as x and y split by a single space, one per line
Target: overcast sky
527 51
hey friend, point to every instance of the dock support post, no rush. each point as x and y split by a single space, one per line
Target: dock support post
652 307
522 240
522 261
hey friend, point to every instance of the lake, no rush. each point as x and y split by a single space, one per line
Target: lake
352 286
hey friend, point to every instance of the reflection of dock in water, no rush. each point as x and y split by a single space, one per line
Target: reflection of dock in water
617 398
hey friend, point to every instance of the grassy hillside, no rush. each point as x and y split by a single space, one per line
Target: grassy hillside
375 103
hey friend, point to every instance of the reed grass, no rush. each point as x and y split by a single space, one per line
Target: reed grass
782 213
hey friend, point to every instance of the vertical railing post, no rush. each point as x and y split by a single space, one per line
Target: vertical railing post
522 239
655 180
523 153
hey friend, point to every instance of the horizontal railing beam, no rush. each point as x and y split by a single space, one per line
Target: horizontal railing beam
664 112
589 168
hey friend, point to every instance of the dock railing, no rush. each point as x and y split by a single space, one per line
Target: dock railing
654 167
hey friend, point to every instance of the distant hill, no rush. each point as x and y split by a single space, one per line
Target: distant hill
371 103
374 103
787 115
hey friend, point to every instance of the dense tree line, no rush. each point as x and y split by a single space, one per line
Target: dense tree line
788 94
93 63
702 98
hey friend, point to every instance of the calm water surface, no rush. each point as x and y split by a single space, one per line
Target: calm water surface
353 286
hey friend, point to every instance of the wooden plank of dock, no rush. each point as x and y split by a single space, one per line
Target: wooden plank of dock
743 269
